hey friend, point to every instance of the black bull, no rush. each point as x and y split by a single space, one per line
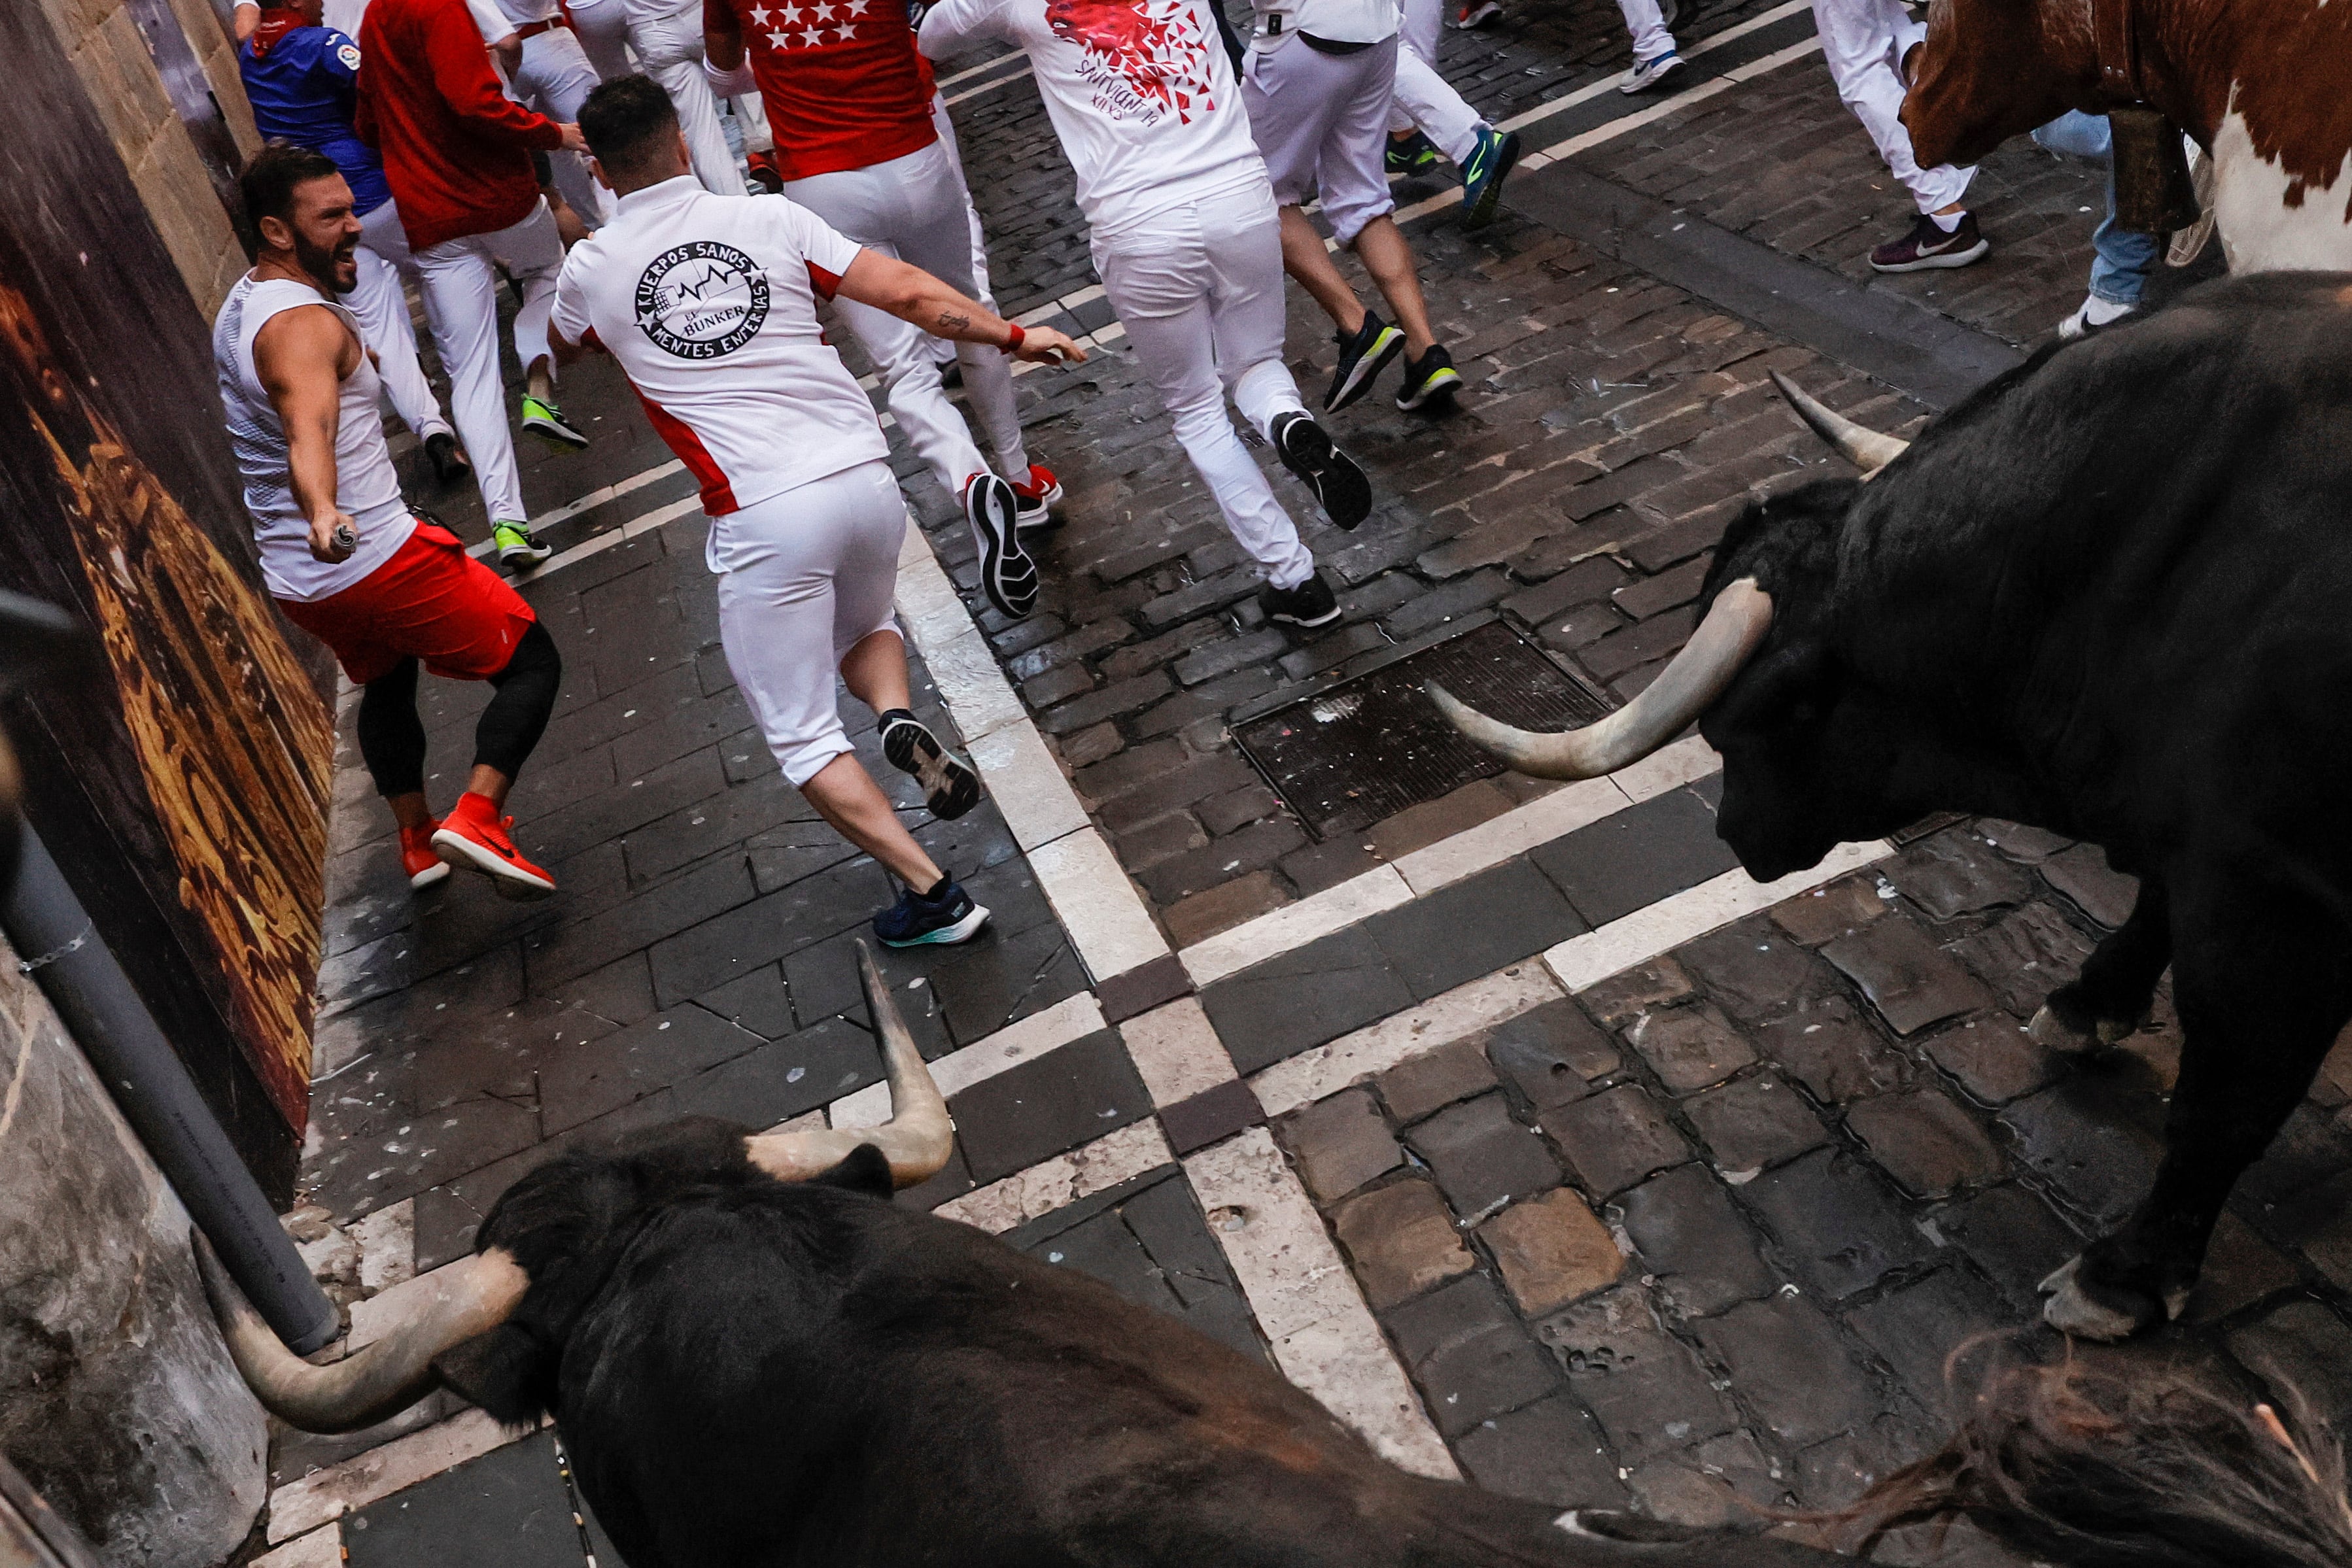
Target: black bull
2110 595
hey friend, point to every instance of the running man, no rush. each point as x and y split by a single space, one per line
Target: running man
301 78
342 553
1189 247
551 75
457 153
1867 44
1428 120
709 305
1321 75
849 107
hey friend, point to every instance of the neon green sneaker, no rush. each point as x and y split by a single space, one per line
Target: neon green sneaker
517 546
546 420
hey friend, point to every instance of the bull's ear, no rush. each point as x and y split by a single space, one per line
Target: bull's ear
508 1372
867 1169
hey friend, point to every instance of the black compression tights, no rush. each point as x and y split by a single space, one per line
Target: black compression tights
391 737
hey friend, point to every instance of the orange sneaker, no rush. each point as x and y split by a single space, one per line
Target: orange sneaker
474 837
418 859
1033 498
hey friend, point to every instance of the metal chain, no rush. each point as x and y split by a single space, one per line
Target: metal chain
27 966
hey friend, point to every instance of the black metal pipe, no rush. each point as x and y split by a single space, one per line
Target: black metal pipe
57 946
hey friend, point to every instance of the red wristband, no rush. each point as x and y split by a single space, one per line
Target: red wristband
1013 343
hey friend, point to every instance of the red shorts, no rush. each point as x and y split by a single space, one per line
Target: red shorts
431 601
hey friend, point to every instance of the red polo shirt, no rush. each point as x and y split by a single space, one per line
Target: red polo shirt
843 84
456 150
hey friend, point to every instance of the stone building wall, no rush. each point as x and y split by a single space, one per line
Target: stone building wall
118 73
116 1398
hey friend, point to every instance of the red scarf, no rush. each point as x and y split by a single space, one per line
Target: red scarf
276 23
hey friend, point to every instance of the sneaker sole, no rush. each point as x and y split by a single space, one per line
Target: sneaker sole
1389 344
950 785
1478 214
1439 388
1002 561
511 880
555 435
1939 262
1339 484
1303 623
436 873
963 930
522 557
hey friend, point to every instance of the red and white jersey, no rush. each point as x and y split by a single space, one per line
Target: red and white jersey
1139 92
710 303
843 85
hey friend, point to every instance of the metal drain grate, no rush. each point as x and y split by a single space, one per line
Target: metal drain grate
1368 746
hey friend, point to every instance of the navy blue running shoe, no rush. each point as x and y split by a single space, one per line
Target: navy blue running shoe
940 917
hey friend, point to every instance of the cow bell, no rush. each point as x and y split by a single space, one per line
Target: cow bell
2153 194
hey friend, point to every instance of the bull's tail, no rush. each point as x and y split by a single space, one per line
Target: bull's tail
2093 1471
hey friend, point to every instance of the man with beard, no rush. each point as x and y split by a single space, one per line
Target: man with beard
340 551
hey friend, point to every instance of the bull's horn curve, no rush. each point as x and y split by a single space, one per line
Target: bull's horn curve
1863 447
385 1375
1735 624
917 1138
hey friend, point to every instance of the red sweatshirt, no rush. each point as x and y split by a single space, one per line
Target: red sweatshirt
456 149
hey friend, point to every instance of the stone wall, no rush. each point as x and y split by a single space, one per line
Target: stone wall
118 73
117 1399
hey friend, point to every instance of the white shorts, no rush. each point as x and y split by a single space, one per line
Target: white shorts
804 577
1321 123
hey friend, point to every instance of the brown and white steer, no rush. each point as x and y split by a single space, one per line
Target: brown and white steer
2264 86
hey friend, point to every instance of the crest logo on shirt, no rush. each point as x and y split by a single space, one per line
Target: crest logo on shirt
701 301
350 55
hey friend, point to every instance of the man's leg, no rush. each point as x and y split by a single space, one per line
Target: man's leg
999 422
603 29
533 252
1355 189
460 285
1428 101
1860 41
670 48
938 239
1160 282
392 746
511 726
556 79
383 311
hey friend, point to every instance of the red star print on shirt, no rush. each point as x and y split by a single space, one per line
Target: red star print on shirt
790 30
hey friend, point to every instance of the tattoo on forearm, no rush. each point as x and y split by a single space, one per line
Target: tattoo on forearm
954 321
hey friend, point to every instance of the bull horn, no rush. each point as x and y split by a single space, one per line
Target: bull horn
1735 624
381 1378
1857 443
917 1138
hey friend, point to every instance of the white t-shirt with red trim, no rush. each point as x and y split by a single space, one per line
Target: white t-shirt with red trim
710 303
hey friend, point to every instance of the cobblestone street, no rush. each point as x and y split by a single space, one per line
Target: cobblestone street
1519 1125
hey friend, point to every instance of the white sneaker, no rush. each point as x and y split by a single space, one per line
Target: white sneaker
1647 74
2093 314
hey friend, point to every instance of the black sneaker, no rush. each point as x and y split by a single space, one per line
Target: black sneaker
1339 486
950 786
1308 604
945 914
1491 162
1927 247
1007 575
1431 379
1363 354
1412 153
450 465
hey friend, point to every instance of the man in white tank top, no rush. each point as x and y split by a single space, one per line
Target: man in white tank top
340 551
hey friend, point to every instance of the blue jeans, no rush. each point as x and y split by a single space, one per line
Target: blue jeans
2119 268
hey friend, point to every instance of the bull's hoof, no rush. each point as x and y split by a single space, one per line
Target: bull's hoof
2112 1313
2054 1033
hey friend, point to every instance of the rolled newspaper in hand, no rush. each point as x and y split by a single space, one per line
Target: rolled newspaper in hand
346 538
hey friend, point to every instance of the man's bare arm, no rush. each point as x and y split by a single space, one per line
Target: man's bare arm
301 357
913 295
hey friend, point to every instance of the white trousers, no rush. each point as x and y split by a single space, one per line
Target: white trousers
382 306
1320 122
603 29
915 208
1646 20
1199 289
669 47
1864 42
556 78
1422 97
459 279
804 577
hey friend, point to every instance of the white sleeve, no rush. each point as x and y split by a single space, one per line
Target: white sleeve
825 249
494 23
953 25
570 315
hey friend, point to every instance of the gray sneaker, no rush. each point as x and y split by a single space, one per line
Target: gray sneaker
1649 75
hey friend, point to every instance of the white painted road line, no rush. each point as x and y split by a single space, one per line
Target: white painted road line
594 498
1063 1180
1312 1075
323 1495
